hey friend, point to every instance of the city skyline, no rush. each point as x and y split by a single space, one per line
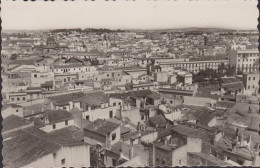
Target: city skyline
127 15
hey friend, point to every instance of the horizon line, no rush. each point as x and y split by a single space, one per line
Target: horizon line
144 29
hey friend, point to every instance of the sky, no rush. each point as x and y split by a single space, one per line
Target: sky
129 14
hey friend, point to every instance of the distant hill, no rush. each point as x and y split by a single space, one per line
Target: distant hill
193 29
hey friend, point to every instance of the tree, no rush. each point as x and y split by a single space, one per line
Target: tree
231 71
199 79
239 72
212 81
95 160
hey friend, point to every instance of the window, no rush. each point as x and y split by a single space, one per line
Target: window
179 162
163 162
12 99
23 98
157 160
66 122
62 161
53 126
114 162
114 104
253 86
102 156
64 108
107 75
110 114
17 110
171 101
87 117
18 98
248 87
113 136
142 117
35 75
119 103
253 78
249 78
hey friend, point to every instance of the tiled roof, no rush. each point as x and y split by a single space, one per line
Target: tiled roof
25 148
191 132
211 160
207 95
24 62
11 105
254 124
140 93
31 144
107 128
55 116
203 117
163 133
65 98
102 127
68 66
233 86
94 98
13 121
154 96
69 133
158 120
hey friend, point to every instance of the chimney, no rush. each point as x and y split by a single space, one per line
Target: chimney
46 120
249 140
138 126
242 138
132 148
225 158
166 141
233 147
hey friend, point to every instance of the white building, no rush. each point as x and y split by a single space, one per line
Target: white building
245 60
250 81
12 109
54 120
38 78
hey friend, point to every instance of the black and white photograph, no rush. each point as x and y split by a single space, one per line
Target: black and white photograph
130 83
